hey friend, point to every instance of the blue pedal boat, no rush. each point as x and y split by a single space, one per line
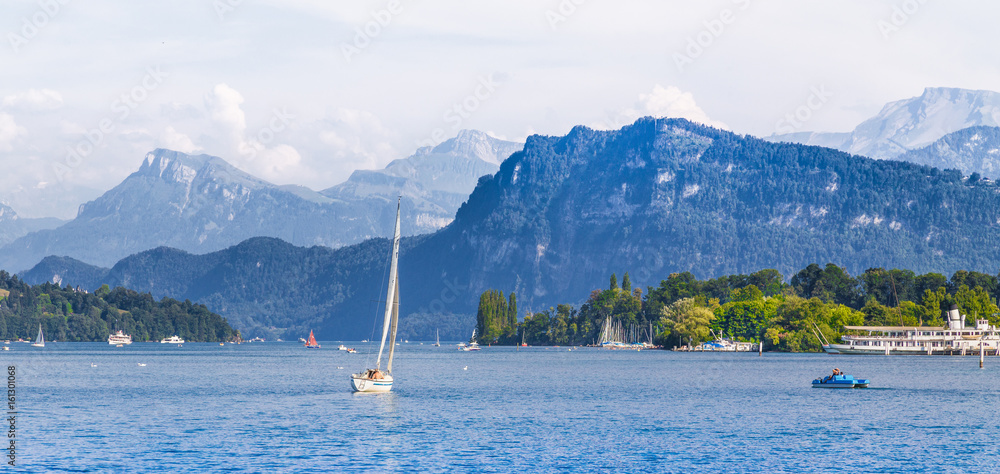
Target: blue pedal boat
840 381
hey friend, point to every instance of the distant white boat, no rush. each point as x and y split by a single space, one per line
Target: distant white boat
172 340
472 345
437 342
40 339
119 338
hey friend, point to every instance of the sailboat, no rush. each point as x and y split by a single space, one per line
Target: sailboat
311 343
40 339
437 343
375 380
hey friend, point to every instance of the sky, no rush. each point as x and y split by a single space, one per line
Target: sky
307 91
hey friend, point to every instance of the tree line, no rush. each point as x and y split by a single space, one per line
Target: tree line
759 306
72 315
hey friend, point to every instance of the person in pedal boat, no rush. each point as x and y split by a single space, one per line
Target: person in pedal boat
830 377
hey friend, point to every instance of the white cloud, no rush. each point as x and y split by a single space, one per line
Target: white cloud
34 100
672 102
224 109
666 102
174 140
67 127
260 152
277 161
357 137
9 131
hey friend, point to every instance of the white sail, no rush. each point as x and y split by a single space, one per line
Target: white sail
392 329
391 297
40 339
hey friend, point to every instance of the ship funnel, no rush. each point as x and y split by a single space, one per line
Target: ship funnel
955 320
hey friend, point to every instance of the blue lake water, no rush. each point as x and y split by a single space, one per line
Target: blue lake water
277 407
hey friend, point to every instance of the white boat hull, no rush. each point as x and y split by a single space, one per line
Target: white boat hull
360 383
834 386
908 350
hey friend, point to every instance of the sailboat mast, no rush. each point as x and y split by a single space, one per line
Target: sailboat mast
393 286
392 328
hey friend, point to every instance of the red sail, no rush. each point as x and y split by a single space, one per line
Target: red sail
312 340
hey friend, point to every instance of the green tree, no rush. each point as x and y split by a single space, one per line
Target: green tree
975 304
685 321
746 315
933 306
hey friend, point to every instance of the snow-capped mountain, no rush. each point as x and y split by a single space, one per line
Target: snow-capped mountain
201 203
910 123
973 150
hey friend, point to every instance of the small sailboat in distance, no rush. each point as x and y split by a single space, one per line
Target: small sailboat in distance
311 343
40 339
375 380
437 343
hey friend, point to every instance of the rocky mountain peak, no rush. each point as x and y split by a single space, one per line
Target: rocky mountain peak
474 143
7 214
181 168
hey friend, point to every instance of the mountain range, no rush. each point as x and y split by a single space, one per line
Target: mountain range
972 150
13 226
656 197
201 203
909 124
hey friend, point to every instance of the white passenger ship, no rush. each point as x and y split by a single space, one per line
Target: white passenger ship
953 339
119 338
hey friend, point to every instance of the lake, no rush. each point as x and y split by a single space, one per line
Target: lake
277 407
